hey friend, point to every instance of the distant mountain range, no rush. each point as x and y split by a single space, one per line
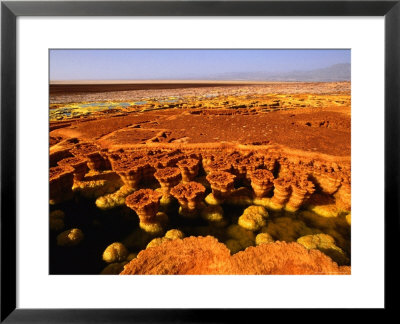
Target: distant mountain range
337 72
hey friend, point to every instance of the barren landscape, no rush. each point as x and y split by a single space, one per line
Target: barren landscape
200 177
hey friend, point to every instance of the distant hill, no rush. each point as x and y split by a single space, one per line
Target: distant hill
337 72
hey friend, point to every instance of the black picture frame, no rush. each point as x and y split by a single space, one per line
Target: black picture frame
10 10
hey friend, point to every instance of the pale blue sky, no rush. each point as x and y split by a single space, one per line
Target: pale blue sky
183 64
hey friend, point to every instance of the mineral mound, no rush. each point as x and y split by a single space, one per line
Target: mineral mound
205 255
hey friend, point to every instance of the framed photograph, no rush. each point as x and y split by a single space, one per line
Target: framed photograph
164 158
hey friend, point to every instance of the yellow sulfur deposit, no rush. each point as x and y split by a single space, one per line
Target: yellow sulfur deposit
267 203
240 197
214 214
233 245
152 228
326 244
211 200
348 218
156 242
95 188
115 252
165 201
329 210
173 234
324 223
158 227
264 238
57 220
114 199
70 237
253 218
287 229
243 237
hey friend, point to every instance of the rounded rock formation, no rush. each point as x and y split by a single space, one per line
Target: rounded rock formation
205 255
115 252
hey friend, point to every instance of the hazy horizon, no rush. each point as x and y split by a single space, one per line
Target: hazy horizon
206 65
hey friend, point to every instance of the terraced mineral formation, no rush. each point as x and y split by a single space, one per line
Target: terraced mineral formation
189 169
59 154
222 184
302 189
282 191
262 182
253 163
78 164
217 165
131 172
145 202
329 182
168 178
61 182
190 196
97 159
169 159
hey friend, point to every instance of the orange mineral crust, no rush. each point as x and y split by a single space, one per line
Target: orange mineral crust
79 165
168 178
130 171
205 255
189 194
145 203
221 183
310 121
282 191
97 159
61 181
189 169
262 181
302 189
59 154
